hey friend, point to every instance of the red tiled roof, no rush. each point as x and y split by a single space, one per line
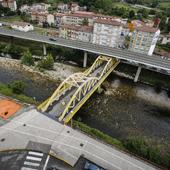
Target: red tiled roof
78 28
83 15
146 29
108 22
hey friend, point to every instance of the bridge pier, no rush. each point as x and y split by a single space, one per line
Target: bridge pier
85 59
44 49
137 74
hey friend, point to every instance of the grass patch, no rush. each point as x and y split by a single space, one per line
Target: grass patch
7 91
97 134
136 145
11 18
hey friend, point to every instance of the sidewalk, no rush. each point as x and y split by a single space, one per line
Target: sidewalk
66 144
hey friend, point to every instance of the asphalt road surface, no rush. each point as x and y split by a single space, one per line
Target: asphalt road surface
143 59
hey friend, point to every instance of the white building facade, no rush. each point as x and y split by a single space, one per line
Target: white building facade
144 39
107 33
80 33
78 19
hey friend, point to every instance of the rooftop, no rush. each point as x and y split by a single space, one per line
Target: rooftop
108 22
146 29
78 28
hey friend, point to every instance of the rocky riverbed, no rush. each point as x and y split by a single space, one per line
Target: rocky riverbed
122 110
39 84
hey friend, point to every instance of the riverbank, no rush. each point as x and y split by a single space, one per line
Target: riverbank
40 85
123 110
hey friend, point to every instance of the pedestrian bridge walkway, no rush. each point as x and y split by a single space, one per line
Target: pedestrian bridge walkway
74 91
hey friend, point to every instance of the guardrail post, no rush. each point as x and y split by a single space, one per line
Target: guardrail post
85 59
137 74
44 49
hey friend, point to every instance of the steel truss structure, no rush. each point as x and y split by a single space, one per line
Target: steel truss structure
85 84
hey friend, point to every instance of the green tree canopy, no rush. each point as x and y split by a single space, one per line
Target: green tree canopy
47 62
27 58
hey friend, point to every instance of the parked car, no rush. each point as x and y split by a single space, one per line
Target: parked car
91 166
1 25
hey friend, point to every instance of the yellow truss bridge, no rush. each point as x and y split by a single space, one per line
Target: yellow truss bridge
74 91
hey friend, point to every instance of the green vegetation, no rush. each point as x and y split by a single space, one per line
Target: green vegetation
7 91
165 47
47 62
97 134
27 59
135 145
17 87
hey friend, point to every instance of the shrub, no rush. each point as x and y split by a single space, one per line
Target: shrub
140 147
47 62
17 87
27 58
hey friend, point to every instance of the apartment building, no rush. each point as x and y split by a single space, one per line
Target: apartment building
38 7
9 4
80 33
144 39
62 8
107 32
79 18
58 19
42 17
74 7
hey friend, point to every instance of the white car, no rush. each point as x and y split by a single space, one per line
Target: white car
0 24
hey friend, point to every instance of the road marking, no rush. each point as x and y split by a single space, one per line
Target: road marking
33 158
80 149
25 168
35 153
46 162
31 163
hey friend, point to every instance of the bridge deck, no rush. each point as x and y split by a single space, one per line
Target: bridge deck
151 61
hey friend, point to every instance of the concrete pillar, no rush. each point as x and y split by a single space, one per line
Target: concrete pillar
137 74
44 49
85 59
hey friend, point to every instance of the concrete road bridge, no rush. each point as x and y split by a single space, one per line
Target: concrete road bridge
161 64
74 91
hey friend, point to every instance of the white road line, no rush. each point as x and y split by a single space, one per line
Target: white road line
35 153
79 149
25 168
33 158
46 162
31 163
80 140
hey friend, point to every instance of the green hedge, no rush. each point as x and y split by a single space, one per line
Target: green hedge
7 91
135 145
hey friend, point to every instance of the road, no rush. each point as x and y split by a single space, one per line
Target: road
143 59
33 130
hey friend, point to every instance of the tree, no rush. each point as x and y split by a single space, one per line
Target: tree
85 21
131 14
168 26
162 24
47 62
18 86
27 58
155 3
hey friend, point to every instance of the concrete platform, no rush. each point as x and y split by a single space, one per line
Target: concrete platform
66 144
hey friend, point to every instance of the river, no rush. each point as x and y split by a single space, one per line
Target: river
123 109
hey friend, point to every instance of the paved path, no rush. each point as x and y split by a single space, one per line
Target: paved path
65 143
151 61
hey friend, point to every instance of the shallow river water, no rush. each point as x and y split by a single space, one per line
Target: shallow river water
122 110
